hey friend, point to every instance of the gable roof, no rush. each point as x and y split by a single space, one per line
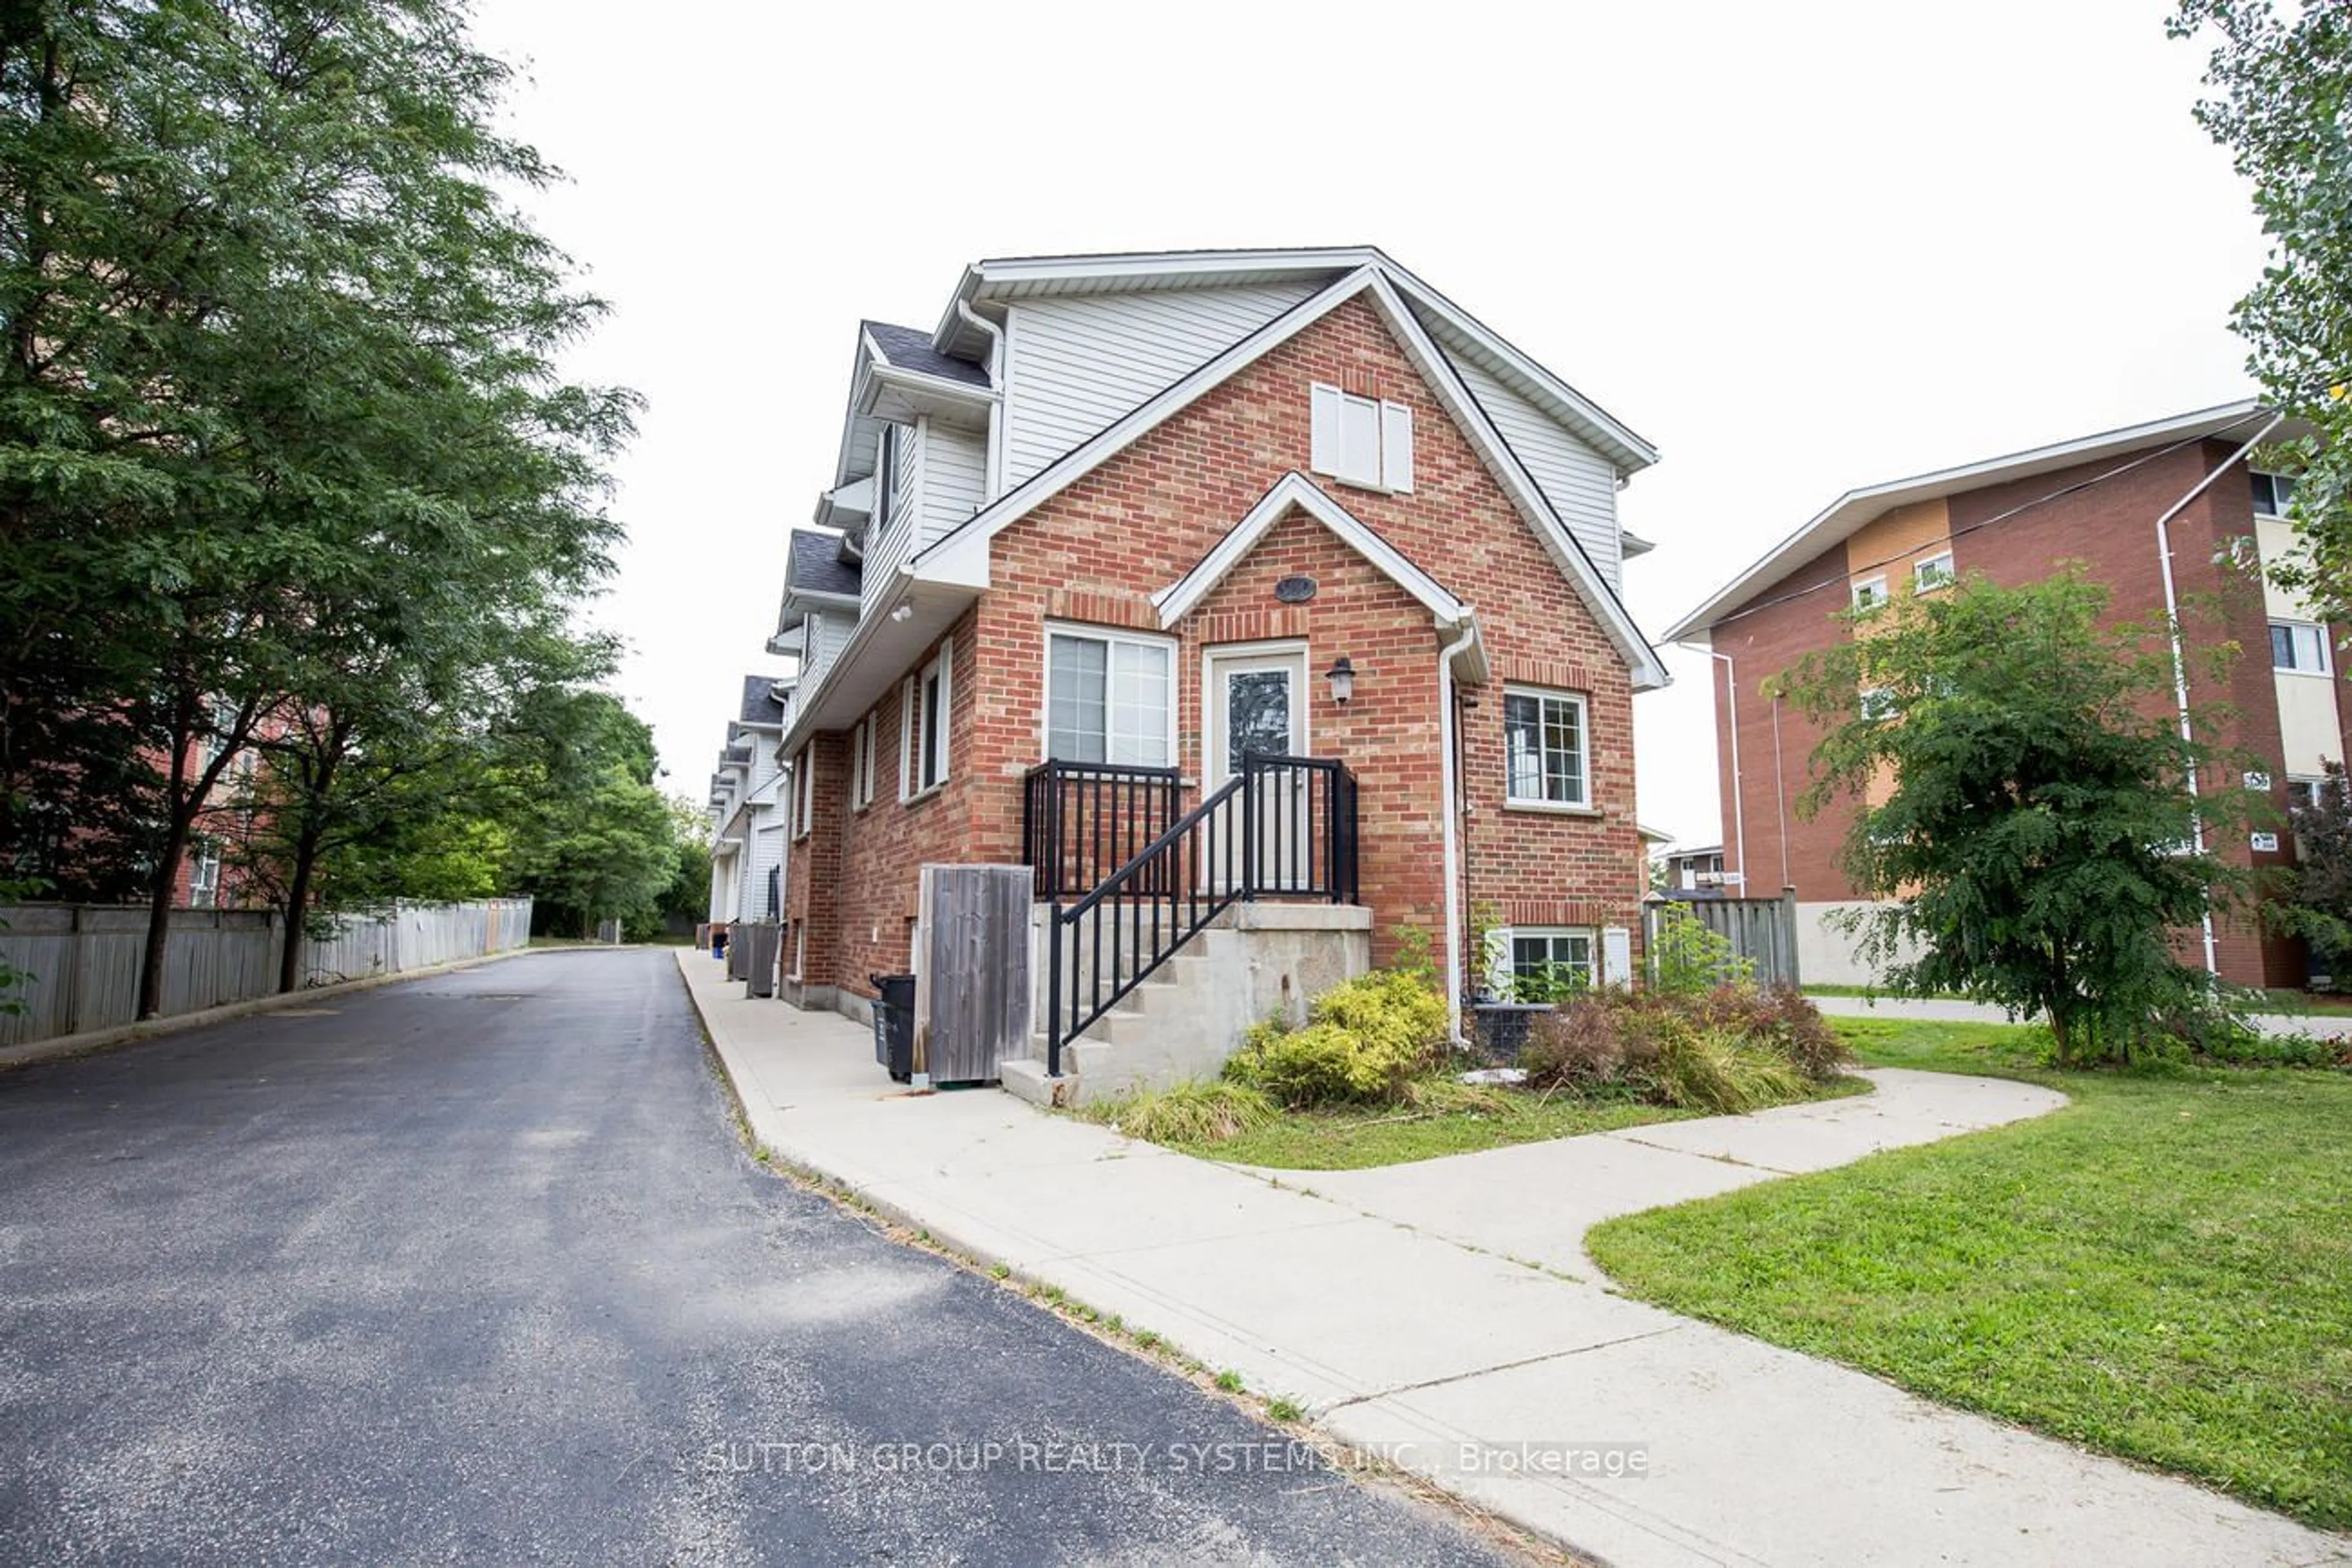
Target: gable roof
1846 516
763 701
816 567
1296 489
1025 277
910 349
961 555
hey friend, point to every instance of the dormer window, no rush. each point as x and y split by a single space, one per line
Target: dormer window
1361 440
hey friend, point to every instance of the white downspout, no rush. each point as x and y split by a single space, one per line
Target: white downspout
995 334
1453 910
1738 789
2180 659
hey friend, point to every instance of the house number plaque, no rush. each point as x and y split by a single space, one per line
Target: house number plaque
1295 590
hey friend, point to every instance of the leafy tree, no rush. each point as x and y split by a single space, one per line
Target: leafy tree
276 394
2318 905
687 900
593 837
2284 108
2034 846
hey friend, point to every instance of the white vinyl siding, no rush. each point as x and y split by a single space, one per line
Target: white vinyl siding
955 478
827 635
763 854
1580 484
1075 364
897 509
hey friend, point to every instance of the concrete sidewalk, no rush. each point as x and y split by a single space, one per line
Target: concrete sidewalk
1444 1315
2318 1025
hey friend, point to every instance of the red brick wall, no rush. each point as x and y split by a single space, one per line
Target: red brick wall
884 845
1095 553
1765 637
2021 532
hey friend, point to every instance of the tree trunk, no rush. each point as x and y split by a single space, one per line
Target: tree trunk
307 845
159 917
297 905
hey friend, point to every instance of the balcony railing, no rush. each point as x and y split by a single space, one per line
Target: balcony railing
1082 821
1282 828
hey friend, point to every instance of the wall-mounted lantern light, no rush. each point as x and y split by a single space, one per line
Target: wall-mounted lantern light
1342 677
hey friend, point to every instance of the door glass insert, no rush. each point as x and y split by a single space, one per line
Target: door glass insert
1257 714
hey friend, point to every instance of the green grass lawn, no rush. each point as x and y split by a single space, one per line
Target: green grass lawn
2162 1269
1339 1138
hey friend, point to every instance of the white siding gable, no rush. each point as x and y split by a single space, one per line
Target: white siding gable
955 474
1077 363
1580 484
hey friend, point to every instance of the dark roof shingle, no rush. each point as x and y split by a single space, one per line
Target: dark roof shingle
909 348
815 566
759 707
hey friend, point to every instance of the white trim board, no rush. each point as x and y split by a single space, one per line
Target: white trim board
1183 596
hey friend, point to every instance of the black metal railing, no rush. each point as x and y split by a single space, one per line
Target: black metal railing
1082 821
1282 828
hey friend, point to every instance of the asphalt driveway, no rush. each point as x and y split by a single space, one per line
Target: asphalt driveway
474 1268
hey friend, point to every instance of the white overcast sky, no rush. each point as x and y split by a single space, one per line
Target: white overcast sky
1800 248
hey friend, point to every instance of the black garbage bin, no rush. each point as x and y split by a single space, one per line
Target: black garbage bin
894 1024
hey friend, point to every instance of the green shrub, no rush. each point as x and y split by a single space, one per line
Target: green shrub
1715 1072
1190 1112
1364 1041
1726 1050
1687 956
1781 1018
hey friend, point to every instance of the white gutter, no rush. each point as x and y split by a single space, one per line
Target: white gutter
2180 659
1453 912
995 334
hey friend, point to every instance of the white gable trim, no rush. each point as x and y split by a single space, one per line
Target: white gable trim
1115 437
962 556
1180 597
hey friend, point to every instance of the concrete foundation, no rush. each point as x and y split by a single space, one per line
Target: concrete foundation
1254 961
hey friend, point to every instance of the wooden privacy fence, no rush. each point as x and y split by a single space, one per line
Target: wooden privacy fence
81 962
1761 930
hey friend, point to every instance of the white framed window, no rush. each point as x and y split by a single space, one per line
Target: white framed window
923 704
2274 493
1877 702
1870 593
804 791
1109 697
1933 572
1539 963
2299 646
204 875
861 764
2304 793
1361 440
1545 749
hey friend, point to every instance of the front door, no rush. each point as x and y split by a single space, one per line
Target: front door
1257 703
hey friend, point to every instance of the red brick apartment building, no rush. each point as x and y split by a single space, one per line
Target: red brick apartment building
1279 559
2110 501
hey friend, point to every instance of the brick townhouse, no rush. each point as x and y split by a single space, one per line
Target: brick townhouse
2112 501
1277 561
